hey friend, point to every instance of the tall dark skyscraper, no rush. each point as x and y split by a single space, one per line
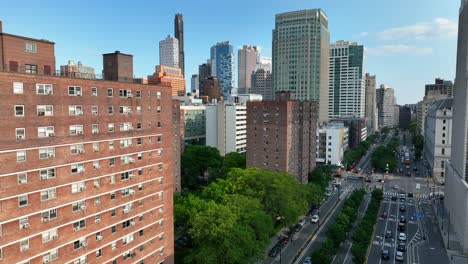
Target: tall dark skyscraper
179 34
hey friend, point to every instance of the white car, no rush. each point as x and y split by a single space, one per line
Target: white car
307 260
402 237
302 222
315 219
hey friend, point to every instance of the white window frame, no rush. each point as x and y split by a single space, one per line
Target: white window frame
75 110
48 131
22 178
20 133
49 215
76 130
47 173
18 88
110 92
78 187
51 255
77 149
77 168
95 110
21 156
94 91
30 47
75 91
19 107
21 198
111 127
45 110
110 109
96 147
95 128
76 206
44 89
48 194
46 153
24 245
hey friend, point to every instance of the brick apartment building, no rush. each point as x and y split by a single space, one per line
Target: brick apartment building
87 165
281 135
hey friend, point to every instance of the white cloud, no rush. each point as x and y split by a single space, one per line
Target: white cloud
363 34
389 50
439 27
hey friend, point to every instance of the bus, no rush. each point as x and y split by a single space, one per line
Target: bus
407 158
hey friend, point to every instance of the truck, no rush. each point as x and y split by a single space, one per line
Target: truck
407 158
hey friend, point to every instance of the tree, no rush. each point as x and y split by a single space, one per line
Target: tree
233 160
195 162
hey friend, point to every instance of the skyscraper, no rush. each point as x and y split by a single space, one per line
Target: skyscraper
386 105
247 59
371 104
179 35
169 52
456 184
347 88
204 71
195 85
262 83
301 56
222 66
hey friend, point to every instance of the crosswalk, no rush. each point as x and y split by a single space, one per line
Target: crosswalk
397 194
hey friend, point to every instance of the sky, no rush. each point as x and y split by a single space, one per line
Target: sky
408 43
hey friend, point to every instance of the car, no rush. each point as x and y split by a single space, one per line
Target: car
401 226
381 180
395 187
394 198
314 219
402 195
408 167
401 169
297 228
369 171
302 222
410 194
307 260
401 247
385 254
408 173
274 251
388 234
415 168
402 208
402 237
399 256
358 170
384 215
402 219
337 184
283 241
402 200
328 193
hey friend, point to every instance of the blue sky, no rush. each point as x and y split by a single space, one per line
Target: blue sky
409 43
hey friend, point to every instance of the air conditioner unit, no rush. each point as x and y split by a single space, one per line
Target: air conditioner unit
96 167
129 112
79 112
96 185
19 137
45 219
24 247
45 261
125 210
83 207
54 236
131 160
25 225
81 151
49 92
80 132
129 95
98 202
81 169
23 181
132 223
43 177
82 188
51 155
84 244
131 192
51 134
76 229
161 210
130 175
78 93
99 237
97 221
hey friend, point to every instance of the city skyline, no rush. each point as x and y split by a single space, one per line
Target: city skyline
396 46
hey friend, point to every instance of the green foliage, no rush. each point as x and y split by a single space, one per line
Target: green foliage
321 176
384 155
233 160
418 141
363 234
352 156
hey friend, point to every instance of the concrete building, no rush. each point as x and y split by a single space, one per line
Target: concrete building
262 83
302 35
387 107
194 117
281 135
404 116
211 90
456 187
347 85
118 67
195 85
357 129
371 104
169 52
73 70
226 127
178 132
439 90
438 137
179 35
332 142
171 75
85 176
222 66
247 59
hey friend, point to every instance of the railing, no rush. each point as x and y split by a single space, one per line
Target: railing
44 71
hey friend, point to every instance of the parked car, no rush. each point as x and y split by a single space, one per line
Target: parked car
401 226
388 234
385 254
402 219
384 215
297 228
328 193
401 247
399 256
402 208
274 251
415 168
315 219
402 237
402 195
395 187
358 170
408 173
307 260
410 194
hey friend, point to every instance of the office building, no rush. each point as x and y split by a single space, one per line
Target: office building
179 35
73 70
332 142
371 104
195 85
262 83
222 66
302 35
194 118
172 75
347 85
441 85
204 71
87 169
247 58
226 127
438 137
281 135
169 52
404 116
386 106
211 90
456 186
439 90
357 129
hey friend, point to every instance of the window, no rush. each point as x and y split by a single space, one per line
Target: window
111 127
127 207
77 149
140 171
18 88
49 215
114 247
443 141
113 212
49 235
125 110
97 201
138 109
48 194
75 110
74 91
159 139
20 133
50 256
111 144
24 245
444 121
77 206
443 128
111 162
158 109
110 92
45 153
126 175
19 110
47 173
442 151
78 187
78 167
113 229
47 131
95 128
138 125
126 126
140 187
125 93
93 91
95 146
31 68
110 110
138 94
76 130
78 244
112 196
127 239
30 47
158 95
44 89
94 110
22 178
24 222
141 232
23 200
79 225
45 110
442 164
21 156
443 134
125 143
139 141
99 253
112 179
